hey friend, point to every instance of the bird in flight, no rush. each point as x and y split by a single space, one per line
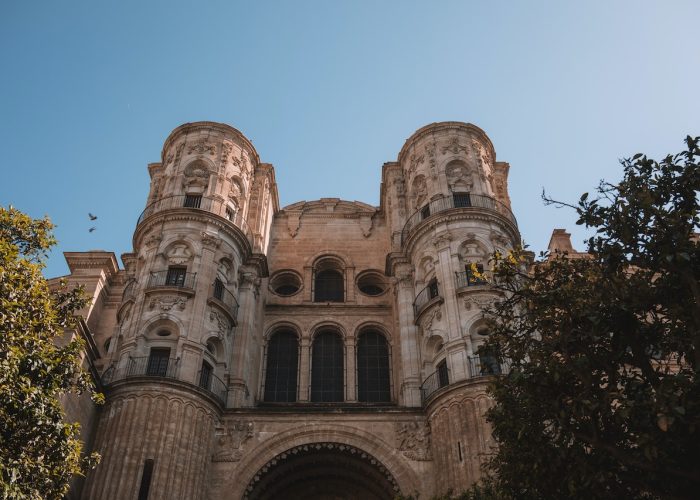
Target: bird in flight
92 217
92 228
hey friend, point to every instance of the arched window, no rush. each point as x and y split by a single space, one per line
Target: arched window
373 368
329 286
281 369
327 368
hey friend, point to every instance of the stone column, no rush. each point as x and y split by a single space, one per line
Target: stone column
350 370
304 368
408 337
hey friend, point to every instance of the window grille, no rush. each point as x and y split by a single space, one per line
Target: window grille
158 362
327 368
176 276
218 289
462 200
433 290
425 212
205 375
373 376
329 286
281 369
193 200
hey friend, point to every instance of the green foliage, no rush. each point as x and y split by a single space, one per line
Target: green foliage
39 452
603 397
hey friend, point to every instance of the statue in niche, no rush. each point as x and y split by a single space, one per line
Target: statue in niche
420 190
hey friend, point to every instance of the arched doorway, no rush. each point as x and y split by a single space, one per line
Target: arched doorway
323 471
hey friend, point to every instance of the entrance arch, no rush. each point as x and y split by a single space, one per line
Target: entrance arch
323 471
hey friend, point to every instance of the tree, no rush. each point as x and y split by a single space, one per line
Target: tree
603 396
39 451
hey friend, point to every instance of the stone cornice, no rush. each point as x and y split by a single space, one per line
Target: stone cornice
99 259
223 128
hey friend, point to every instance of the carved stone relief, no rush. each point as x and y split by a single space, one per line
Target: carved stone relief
453 146
413 440
293 224
442 240
459 178
223 327
167 302
477 301
366 225
226 150
179 253
210 240
230 439
430 153
419 191
202 146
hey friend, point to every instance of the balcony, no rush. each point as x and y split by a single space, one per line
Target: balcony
457 200
425 297
467 278
477 367
209 204
222 297
164 368
171 278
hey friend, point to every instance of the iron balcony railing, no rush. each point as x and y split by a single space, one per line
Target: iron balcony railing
157 366
145 366
477 366
436 380
169 278
457 200
425 296
467 278
485 365
223 295
213 384
206 203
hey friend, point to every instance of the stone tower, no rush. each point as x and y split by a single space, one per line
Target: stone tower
325 348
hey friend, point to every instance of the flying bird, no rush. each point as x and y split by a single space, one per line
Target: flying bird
92 217
92 228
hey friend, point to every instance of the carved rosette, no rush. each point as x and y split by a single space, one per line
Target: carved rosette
413 440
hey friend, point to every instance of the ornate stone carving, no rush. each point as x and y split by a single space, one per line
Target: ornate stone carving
293 224
458 176
400 186
202 146
430 153
178 152
230 440
477 301
413 440
210 240
226 150
250 280
179 253
153 239
223 327
366 225
453 146
404 276
434 317
442 240
414 161
167 302
420 191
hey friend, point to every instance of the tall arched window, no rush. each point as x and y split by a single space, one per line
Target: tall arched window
327 373
373 385
281 369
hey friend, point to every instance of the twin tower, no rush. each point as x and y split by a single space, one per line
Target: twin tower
327 349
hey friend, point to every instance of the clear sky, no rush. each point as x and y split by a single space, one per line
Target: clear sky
328 91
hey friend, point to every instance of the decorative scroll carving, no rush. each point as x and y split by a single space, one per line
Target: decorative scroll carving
434 317
251 281
430 153
178 152
167 302
414 162
413 440
458 176
293 224
420 191
202 146
442 240
226 150
153 239
230 440
478 301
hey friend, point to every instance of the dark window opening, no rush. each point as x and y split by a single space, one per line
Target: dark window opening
327 368
462 200
329 286
193 200
158 362
230 214
218 289
459 450
176 276
286 289
425 212
488 362
146 479
281 369
433 290
443 375
373 376
205 375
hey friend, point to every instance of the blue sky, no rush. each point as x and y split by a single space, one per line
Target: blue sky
329 91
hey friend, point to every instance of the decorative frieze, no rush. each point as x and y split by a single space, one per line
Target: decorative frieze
413 440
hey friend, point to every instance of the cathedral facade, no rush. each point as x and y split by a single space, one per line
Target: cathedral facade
327 349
